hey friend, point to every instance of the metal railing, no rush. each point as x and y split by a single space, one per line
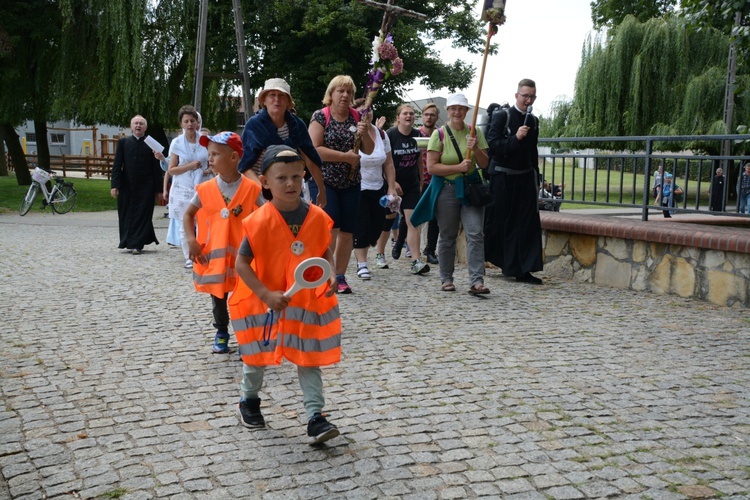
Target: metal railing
620 172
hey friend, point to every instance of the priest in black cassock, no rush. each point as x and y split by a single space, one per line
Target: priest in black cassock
512 229
716 192
136 184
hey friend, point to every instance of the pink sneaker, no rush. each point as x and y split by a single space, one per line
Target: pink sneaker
343 286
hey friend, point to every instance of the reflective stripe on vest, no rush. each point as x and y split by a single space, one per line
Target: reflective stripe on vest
294 342
299 314
221 236
308 331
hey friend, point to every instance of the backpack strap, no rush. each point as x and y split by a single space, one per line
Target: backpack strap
506 130
327 114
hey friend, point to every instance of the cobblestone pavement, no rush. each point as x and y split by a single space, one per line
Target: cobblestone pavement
561 391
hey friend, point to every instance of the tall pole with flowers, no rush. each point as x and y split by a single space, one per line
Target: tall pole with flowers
493 11
385 61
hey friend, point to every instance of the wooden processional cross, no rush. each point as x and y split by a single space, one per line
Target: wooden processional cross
390 13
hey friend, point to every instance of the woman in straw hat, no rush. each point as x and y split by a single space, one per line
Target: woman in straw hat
275 123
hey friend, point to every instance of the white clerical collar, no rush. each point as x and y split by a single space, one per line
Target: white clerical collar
522 112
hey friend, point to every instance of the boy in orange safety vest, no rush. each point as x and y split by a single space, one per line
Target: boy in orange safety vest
219 205
307 331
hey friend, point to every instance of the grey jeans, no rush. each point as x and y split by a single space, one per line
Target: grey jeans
449 212
310 380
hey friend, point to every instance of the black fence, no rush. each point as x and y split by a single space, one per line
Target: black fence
621 171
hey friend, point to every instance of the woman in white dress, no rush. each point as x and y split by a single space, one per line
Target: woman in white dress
188 166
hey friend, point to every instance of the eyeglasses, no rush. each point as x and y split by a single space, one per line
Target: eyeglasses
527 96
429 114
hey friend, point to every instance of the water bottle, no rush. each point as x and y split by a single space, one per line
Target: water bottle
306 191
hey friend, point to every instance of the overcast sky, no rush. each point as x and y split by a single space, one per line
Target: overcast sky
541 40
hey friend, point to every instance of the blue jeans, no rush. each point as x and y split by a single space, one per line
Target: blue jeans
744 202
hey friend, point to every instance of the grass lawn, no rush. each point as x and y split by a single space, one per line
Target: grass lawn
591 185
92 195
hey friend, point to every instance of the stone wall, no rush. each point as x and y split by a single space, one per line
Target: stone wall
688 260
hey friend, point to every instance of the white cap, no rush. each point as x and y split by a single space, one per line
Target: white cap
457 100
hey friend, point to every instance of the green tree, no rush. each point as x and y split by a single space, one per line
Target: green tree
123 58
113 59
308 43
652 77
610 13
26 48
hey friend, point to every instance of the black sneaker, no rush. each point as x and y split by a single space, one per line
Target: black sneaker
529 278
249 412
396 251
431 257
320 430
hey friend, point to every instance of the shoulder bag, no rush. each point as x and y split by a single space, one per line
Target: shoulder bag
476 191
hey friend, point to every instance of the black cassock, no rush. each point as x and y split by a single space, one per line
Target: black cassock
138 176
512 229
717 194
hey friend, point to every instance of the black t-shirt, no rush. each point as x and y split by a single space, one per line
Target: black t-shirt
407 158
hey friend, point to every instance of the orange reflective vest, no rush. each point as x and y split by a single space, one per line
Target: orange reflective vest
308 331
220 234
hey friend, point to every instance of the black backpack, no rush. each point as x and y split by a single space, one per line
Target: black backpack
497 108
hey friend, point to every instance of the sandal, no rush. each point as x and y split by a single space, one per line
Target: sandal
363 273
448 287
479 289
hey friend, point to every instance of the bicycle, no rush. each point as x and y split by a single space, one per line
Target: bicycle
62 197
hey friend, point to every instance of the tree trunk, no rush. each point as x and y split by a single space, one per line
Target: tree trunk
42 144
17 158
3 160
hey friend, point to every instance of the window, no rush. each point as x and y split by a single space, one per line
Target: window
30 138
56 138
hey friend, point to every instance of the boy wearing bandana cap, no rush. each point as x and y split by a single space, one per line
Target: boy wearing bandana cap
304 328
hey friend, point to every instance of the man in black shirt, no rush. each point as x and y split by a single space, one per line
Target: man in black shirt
136 184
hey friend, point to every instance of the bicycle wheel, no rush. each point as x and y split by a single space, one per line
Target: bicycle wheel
28 200
64 199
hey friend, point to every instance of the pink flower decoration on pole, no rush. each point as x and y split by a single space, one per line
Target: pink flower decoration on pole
385 63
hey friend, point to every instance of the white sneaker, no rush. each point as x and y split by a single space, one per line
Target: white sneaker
408 252
380 261
419 267
188 264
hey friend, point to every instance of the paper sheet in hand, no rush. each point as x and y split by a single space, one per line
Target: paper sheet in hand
153 144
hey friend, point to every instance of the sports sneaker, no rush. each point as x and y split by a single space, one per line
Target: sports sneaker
343 286
188 264
396 251
137 251
431 257
380 261
363 273
320 430
419 267
221 343
408 252
249 412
